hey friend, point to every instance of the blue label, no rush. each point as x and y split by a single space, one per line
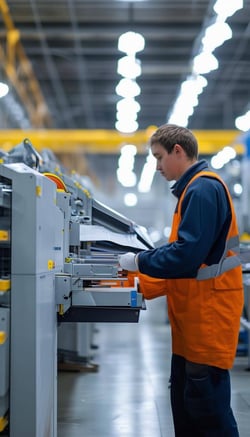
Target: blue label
247 141
133 298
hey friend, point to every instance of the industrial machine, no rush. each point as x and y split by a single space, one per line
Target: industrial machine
59 264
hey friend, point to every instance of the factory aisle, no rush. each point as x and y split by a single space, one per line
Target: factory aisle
129 395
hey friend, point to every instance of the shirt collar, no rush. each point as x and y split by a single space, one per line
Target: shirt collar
179 186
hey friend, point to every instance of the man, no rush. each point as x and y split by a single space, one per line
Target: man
201 275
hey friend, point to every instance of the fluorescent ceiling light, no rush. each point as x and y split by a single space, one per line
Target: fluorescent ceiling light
129 67
226 8
130 199
200 83
128 88
243 122
216 35
180 119
147 174
125 173
129 150
126 115
131 42
126 178
128 104
204 63
238 189
4 89
187 99
126 126
223 157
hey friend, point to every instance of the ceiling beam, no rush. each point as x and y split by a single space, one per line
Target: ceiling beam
111 141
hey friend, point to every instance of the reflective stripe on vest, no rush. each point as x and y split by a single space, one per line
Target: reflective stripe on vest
225 263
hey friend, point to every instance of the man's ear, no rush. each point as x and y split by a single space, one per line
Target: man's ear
178 149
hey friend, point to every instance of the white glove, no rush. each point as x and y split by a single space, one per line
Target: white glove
128 261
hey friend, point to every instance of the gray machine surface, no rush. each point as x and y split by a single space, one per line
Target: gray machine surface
50 275
27 254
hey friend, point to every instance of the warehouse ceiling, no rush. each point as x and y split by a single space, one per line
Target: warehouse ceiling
70 50
72 46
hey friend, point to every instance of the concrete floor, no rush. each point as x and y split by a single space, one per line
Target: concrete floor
129 395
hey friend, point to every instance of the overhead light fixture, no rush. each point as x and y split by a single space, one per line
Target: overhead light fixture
125 112
126 126
125 173
191 88
243 122
129 67
130 199
147 174
129 150
237 189
128 104
4 89
223 157
216 35
128 88
204 63
131 42
187 99
226 8
121 115
126 179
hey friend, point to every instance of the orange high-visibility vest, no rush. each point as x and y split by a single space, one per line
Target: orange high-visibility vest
205 311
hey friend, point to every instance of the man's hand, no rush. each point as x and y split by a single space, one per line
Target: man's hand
128 261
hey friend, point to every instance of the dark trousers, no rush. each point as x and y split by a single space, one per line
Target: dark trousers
200 400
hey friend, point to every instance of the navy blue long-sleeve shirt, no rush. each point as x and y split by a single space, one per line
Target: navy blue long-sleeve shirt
205 220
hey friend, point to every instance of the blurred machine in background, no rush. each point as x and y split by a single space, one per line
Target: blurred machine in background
59 267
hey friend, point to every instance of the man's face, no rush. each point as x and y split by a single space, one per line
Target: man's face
167 164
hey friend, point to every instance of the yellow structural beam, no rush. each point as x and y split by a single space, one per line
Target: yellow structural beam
110 141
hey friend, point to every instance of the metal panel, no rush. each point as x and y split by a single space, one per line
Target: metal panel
36 235
34 214
4 350
33 357
127 297
4 360
101 314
